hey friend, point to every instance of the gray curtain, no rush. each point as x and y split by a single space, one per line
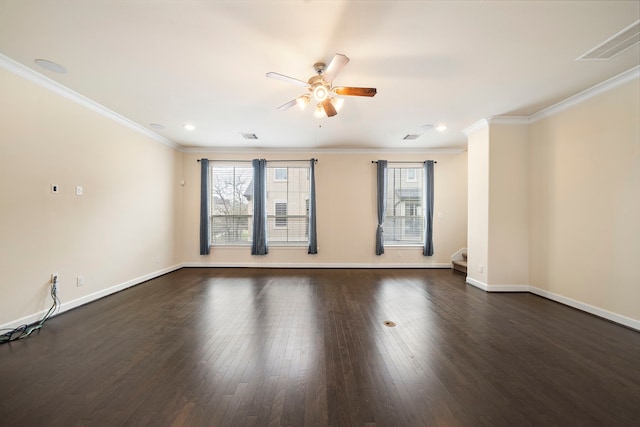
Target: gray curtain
259 244
205 223
313 238
427 250
382 204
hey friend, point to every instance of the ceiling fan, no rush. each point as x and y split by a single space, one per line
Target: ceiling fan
320 88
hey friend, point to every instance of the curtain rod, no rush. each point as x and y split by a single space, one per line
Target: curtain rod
392 161
238 161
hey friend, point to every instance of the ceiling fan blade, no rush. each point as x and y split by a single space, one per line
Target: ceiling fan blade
287 105
355 91
335 66
329 109
287 79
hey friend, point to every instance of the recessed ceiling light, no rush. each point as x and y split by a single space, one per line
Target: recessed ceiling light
441 128
156 126
51 66
189 126
426 127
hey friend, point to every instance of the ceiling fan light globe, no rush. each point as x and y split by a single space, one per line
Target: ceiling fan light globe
302 102
319 113
337 103
320 93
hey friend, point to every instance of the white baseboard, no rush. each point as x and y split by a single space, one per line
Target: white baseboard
478 284
69 305
508 288
497 288
258 264
605 314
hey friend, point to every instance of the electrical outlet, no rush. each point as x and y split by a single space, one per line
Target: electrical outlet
480 269
80 281
55 283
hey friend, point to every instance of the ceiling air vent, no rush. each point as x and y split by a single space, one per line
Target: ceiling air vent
616 44
249 135
412 136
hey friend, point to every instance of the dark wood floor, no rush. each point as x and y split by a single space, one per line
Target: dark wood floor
235 347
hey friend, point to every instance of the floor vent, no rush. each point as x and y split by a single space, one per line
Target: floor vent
616 44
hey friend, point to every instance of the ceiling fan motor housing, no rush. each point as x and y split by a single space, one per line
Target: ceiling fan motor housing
319 67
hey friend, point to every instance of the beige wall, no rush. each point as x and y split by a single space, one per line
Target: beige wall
346 213
478 206
508 253
125 226
585 202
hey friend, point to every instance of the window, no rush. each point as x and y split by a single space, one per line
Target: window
287 205
404 222
230 203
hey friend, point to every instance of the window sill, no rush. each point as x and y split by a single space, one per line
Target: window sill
271 246
403 246
288 246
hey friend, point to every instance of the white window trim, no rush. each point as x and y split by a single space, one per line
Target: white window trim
408 244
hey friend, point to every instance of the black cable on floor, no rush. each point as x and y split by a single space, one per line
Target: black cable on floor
24 331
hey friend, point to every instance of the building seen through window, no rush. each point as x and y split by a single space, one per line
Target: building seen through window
231 207
404 222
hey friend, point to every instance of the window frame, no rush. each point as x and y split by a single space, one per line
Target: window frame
273 186
397 222
296 221
246 218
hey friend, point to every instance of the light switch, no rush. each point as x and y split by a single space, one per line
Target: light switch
78 190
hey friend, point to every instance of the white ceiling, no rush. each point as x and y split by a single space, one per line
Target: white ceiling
204 62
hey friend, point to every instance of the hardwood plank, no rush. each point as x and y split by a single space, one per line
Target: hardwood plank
233 347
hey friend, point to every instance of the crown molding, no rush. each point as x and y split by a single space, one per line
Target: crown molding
316 151
620 79
607 85
480 124
509 120
59 89
53 86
